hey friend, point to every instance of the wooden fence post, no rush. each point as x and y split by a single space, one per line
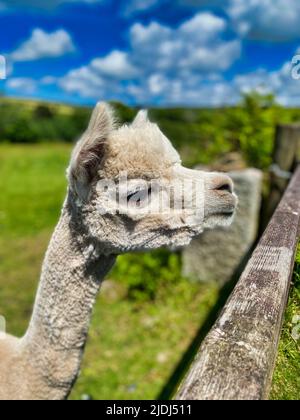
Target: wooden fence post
286 153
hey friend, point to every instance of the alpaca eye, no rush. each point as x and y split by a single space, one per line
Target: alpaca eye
139 196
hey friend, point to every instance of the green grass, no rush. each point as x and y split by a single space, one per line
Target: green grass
286 380
33 184
133 345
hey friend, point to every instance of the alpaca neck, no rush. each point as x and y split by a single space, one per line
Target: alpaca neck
70 281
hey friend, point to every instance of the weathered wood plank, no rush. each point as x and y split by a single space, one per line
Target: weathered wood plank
237 358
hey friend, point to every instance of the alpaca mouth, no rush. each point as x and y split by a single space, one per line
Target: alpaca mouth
227 211
228 214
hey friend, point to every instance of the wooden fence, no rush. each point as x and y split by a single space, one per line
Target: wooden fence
237 358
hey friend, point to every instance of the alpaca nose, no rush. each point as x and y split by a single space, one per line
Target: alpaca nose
223 183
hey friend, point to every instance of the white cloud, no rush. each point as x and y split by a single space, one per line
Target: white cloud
115 65
192 91
176 66
221 92
22 85
160 61
196 45
128 8
48 80
279 82
203 25
133 7
87 82
3 73
266 20
262 20
44 45
83 81
187 90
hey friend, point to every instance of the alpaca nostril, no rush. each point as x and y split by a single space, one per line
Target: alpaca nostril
225 185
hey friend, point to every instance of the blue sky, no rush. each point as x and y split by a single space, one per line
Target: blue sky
150 52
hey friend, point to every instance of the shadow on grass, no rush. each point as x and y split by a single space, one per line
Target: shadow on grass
170 388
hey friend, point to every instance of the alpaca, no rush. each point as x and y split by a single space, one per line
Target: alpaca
44 364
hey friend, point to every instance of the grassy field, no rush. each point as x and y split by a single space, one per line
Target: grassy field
286 381
134 345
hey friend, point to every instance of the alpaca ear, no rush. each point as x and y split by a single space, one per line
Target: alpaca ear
90 149
141 119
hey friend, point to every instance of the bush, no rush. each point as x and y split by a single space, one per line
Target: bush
252 128
144 274
22 122
201 135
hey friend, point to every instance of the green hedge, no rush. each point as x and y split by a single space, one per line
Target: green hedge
201 135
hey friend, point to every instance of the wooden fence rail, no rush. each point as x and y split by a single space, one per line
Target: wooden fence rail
236 360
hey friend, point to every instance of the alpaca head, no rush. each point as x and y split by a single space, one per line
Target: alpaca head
131 192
